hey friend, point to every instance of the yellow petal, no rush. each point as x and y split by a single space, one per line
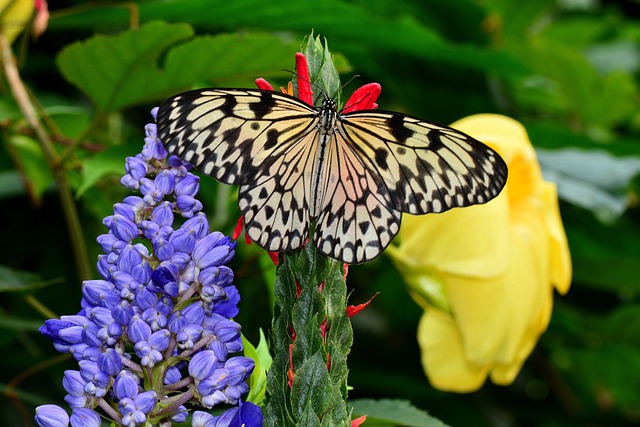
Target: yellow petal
559 257
470 241
443 356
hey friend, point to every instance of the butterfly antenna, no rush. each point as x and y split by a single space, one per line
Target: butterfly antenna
320 90
356 76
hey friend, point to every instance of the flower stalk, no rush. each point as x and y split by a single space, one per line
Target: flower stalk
311 331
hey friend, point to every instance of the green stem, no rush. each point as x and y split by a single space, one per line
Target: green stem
21 96
312 336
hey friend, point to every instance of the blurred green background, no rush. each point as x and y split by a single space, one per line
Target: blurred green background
566 69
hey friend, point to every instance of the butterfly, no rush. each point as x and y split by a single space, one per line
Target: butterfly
352 173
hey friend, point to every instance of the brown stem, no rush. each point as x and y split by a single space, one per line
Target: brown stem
21 96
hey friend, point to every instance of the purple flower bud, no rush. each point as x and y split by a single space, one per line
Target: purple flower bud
212 250
145 299
164 281
188 205
240 366
77 401
141 273
177 322
53 327
227 330
123 228
194 313
154 318
183 241
159 340
145 401
197 226
124 210
162 215
110 243
135 167
129 258
179 165
202 365
172 375
181 260
135 203
181 415
73 383
51 416
99 293
125 385
213 399
73 335
220 349
187 185
187 337
85 417
110 362
218 379
165 182
163 249
203 419
122 312
138 330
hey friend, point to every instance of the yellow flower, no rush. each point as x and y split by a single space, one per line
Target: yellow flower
14 15
485 274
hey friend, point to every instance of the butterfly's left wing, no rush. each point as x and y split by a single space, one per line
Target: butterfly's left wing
387 163
260 140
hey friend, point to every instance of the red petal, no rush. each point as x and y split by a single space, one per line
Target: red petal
304 83
358 421
352 310
274 257
238 230
364 98
263 84
290 373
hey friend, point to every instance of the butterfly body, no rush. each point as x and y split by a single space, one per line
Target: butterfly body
352 173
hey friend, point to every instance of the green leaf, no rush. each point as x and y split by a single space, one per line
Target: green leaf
388 412
19 324
604 256
15 281
322 70
32 162
592 179
122 70
355 26
110 161
311 386
258 379
116 71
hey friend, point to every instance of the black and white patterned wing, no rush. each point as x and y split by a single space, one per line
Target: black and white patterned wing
232 134
260 140
386 163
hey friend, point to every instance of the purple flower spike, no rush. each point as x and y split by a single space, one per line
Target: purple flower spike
158 322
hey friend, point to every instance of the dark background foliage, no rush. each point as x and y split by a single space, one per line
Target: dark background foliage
567 69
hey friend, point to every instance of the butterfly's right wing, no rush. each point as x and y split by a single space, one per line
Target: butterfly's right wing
260 140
